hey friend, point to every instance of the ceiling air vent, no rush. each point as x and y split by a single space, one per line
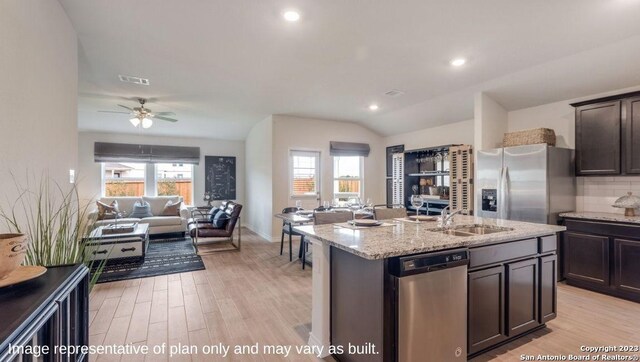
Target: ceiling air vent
134 80
394 93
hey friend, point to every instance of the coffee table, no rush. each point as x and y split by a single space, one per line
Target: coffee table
132 245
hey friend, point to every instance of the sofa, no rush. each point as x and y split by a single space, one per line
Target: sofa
157 224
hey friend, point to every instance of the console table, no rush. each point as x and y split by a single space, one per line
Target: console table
51 310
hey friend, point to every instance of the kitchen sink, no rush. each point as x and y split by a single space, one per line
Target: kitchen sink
453 232
481 229
470 230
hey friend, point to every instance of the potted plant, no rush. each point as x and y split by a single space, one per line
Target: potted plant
55 220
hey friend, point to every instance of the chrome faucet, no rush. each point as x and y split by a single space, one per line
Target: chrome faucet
446 218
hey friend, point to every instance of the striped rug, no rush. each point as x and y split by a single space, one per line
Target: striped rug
164 256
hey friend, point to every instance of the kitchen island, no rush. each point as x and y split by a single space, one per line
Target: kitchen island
510 282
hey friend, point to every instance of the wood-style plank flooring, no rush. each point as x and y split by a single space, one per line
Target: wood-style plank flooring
256 295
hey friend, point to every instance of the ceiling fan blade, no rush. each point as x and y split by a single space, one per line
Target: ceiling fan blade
114 112
125 107
164 113
165 119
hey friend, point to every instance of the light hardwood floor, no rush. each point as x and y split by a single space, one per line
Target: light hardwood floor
258 296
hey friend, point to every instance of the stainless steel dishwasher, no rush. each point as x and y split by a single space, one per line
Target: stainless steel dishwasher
431 306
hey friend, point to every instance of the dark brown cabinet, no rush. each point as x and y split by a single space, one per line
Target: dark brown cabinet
588 259
548 291
486 308
603 256
49 311
632 135
608 135
627 265
598 139
512 290
522 300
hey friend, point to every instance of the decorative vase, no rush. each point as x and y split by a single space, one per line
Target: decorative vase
13 250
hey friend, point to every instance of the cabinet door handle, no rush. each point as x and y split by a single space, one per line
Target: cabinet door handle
100 252
128 249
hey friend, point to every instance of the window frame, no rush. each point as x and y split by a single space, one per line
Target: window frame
318 164
103 179
150 180
156 178
335 194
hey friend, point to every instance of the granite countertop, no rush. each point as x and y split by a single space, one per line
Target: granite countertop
405 238
602 216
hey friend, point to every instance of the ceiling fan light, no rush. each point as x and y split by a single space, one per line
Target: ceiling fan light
135 121
147 122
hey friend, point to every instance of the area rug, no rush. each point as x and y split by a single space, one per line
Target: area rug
164 256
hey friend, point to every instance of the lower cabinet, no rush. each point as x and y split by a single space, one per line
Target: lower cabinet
548 290
603 257
587 257
522 292
486 308
627 265
510 297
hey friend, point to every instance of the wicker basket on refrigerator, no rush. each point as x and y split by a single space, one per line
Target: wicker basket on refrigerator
530 137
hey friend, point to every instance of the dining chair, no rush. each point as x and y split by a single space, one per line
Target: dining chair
388 212
287 228
321 218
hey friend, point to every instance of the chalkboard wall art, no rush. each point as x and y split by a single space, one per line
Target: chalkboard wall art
220 177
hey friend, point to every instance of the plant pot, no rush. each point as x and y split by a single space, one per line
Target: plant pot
13 250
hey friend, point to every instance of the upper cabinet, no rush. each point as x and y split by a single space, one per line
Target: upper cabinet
608 136
632 135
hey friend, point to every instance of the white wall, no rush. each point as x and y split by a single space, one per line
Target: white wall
558 116
38 93
89 172
258 211
295 133
490 122
452 133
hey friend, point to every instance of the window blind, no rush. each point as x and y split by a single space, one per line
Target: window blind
124 152
349 149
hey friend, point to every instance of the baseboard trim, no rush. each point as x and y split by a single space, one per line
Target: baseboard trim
268 238
315 342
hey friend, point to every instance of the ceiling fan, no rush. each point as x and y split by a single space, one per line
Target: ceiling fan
142 116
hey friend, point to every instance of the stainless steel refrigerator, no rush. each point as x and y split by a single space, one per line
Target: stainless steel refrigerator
531 183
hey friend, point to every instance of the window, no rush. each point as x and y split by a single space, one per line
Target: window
347 177
175 179
304 174
123 179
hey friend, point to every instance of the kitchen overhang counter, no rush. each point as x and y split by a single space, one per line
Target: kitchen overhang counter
364 253
406 238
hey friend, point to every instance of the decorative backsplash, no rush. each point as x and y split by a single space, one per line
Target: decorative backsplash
597 194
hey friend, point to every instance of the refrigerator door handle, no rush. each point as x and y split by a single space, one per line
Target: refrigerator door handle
500 195
505 192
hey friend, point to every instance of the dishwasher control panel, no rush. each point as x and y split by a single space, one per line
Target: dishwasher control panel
424 263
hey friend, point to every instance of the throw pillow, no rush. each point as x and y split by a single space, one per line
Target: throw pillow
221 219
141 209
213 212
171 209
106 212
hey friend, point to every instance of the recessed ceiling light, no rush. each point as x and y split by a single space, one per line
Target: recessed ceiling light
373 107
457 62
291 15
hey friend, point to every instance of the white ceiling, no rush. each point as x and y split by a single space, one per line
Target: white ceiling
223 65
